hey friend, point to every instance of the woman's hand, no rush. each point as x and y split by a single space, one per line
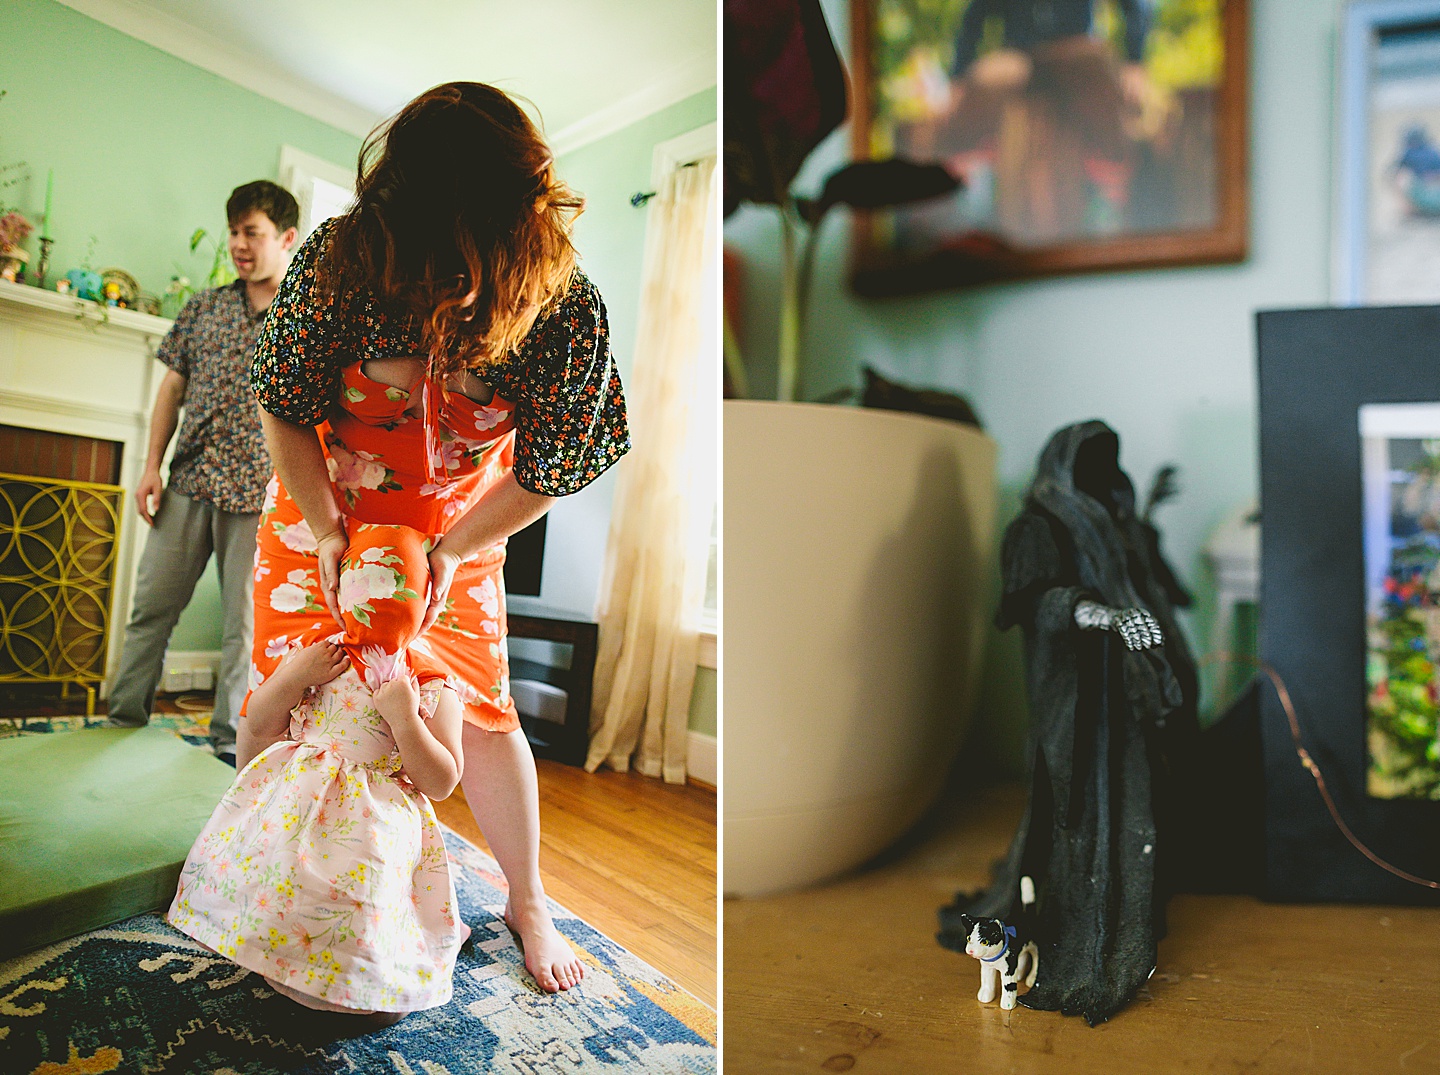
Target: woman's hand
329 548
443 564
300 463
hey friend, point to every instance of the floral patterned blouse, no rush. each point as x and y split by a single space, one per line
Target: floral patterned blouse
220 457
570 418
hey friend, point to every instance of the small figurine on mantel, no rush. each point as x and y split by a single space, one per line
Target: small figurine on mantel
1113 691
84 284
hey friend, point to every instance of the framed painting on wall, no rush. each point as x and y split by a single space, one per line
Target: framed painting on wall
1089 135
1387 207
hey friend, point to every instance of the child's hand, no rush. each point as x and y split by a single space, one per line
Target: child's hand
316 664
398 700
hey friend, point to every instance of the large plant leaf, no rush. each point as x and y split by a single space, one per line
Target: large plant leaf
877 184
784 92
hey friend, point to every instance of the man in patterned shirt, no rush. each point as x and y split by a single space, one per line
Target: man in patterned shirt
219 470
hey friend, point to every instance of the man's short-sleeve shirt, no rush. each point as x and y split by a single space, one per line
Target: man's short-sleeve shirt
220 456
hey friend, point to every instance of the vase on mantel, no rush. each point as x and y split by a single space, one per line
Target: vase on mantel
12 263
860 566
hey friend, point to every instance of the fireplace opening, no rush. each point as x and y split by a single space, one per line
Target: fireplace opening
42 454
60 509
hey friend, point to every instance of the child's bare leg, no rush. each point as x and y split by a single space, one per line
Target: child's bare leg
500 786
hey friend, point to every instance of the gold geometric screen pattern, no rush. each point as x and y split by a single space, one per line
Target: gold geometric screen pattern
58 544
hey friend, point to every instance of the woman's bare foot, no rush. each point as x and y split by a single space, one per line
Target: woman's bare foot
548 956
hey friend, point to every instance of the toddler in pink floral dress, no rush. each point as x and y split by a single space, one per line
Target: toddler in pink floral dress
323 868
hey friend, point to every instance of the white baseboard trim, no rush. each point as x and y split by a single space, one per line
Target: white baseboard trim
702 758
190 670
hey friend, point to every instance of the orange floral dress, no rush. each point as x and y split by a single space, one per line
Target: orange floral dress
386 466
556 421
323 868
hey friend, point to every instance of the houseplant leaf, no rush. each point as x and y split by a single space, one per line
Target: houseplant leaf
784 92
877 184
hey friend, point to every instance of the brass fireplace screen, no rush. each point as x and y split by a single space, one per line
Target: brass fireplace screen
58 544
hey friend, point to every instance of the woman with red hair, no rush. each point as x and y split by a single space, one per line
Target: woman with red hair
434 358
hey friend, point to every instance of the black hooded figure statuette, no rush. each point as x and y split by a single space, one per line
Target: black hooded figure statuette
1112 691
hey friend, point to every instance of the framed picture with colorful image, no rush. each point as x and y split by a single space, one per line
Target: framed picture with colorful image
1349 621
1089 135
1400 469
1386 247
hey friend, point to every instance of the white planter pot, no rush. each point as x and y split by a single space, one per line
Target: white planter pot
859 564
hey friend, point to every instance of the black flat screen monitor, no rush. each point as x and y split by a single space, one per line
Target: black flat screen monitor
524 557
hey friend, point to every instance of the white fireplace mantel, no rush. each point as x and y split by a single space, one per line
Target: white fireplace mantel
71 366
76 359
83 311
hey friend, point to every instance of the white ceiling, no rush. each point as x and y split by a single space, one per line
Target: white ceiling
589 66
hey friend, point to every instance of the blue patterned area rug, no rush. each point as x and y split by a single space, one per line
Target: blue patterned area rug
141 997
193 727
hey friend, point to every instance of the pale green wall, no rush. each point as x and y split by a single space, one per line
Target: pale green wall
1167 357
704 713
145 149
611 239
610 236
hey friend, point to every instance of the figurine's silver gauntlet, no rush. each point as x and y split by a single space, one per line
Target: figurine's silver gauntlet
1136 627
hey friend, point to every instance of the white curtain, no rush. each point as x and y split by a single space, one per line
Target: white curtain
653 584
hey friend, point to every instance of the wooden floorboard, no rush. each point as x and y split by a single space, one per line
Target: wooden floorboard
634 857
848 976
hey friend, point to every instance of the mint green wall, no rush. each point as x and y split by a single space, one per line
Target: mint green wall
1167 357
611 232
610 236
611 239
704 713
145 147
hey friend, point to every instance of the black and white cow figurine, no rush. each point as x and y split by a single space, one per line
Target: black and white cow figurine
1007 954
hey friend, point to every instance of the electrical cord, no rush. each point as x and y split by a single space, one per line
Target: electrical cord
1311 766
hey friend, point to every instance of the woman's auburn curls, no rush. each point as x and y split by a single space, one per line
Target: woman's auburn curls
459 223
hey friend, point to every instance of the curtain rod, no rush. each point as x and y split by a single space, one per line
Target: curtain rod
639 199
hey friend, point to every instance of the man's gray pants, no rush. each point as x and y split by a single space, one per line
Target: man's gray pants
185 533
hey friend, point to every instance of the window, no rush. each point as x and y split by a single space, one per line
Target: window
705 405
707 413
323 189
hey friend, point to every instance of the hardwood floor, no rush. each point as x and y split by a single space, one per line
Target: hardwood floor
634 857
848 975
